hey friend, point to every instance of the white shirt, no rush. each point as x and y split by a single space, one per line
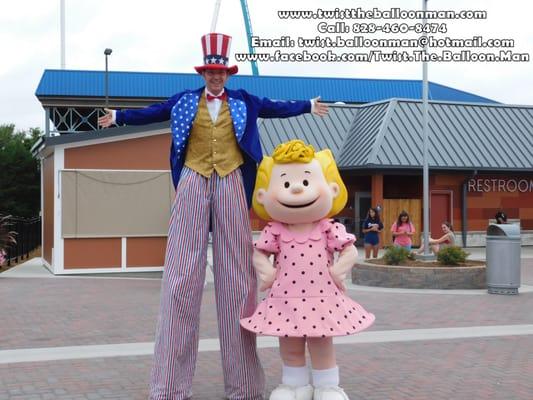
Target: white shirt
214 105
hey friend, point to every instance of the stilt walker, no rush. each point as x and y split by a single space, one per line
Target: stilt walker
214 155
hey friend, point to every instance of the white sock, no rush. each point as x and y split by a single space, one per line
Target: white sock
295 376
326 377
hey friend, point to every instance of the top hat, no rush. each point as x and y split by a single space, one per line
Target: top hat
216 49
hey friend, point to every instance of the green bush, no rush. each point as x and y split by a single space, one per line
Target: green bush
452 255
396 255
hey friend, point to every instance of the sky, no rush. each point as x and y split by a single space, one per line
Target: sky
164 36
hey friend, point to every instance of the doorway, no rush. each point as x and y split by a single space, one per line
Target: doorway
440 209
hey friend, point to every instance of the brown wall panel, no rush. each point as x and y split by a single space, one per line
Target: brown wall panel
520 202
357 184
483 205
391 210
145 252
402 187
93 253
477 224
526 223
486 202
48 207
475 213
149 152
526 213
473 195
447 180
377 189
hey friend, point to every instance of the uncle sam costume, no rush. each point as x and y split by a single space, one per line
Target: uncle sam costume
213 188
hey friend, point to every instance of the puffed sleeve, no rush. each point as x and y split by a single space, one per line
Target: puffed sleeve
269 239
337 236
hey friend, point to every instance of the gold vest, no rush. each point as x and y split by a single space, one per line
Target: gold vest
213 146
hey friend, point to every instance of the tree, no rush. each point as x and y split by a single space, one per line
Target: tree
19 172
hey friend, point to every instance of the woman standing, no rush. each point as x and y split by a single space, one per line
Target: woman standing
371 228
402 231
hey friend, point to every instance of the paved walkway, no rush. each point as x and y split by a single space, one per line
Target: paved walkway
82 337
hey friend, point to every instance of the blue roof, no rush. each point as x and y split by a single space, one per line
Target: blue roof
69 83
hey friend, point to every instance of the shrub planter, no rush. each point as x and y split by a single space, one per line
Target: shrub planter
430 277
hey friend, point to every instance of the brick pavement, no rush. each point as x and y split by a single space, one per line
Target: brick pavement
490 368
80 311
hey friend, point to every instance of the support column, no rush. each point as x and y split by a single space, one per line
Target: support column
377 190
377 197
47 121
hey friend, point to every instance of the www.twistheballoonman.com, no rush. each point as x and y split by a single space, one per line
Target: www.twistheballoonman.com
375 13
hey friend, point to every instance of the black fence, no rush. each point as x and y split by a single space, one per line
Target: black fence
28 237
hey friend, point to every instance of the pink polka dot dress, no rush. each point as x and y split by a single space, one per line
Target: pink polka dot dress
304 300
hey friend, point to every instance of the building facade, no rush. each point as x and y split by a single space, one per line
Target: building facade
107 194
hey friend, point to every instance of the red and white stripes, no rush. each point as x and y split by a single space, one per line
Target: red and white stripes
199 200
216 44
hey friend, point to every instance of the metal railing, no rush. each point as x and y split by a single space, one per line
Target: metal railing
28 238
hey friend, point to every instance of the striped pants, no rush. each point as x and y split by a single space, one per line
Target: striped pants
198 201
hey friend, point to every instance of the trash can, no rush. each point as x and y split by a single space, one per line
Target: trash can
503 258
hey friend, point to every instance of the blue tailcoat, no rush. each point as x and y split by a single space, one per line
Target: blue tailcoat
244 109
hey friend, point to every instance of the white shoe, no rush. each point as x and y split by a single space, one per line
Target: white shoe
287 392
330 393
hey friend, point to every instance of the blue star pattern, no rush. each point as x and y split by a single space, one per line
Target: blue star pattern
237 109
182 117
216 59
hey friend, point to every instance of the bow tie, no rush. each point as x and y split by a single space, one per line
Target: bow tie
222 97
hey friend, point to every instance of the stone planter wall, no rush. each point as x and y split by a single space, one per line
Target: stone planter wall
367 274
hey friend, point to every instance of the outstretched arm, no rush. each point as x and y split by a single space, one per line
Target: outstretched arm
284 109
155 113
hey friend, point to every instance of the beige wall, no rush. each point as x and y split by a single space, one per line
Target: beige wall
146 153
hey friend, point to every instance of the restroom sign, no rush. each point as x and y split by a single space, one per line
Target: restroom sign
500 185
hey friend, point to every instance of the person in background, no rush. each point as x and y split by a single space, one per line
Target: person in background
372 226
402 231
500 217
446 240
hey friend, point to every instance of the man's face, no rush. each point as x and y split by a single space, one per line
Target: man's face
215 80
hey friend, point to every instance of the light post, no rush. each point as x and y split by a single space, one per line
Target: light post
107 52
62 26
425 132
